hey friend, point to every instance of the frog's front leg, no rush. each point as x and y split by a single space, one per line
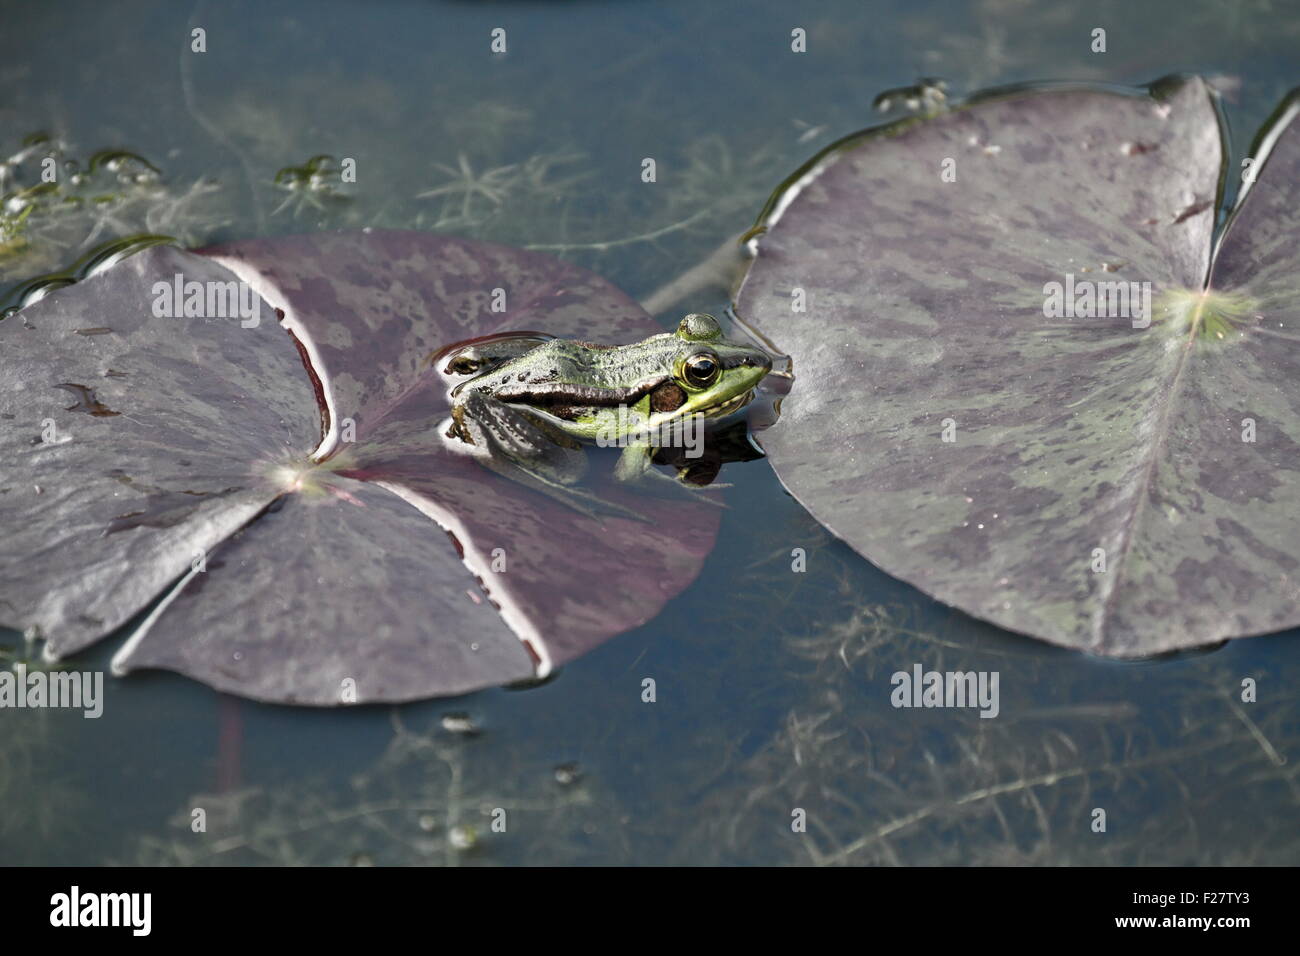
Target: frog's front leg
634 464
526 449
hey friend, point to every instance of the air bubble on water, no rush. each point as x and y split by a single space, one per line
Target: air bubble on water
567 774
462 837
459 722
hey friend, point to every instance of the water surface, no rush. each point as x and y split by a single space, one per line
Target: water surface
772 686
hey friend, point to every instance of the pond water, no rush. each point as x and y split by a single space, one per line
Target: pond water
773 686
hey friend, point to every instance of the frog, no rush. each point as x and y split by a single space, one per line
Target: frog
533 404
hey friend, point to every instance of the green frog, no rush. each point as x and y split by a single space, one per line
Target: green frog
533 402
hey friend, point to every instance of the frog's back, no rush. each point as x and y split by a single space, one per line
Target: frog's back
602 366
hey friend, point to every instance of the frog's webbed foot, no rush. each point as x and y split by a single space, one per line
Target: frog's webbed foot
531 452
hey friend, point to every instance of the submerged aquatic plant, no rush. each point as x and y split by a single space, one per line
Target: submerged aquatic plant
312 185
11 229
470 191
429 799
54 206
40 803
841 777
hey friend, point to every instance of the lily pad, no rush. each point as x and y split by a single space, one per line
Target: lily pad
1121 485
293 476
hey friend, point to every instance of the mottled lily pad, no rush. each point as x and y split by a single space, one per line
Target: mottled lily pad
326 540
1114 484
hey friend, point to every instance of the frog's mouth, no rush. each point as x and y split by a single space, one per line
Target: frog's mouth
725 407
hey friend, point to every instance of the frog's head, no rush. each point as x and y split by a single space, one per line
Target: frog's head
714 375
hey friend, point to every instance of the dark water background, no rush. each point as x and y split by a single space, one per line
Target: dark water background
773 687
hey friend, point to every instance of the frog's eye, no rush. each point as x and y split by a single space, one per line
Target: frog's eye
700 370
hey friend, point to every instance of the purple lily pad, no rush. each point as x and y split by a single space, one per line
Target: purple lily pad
1118 484
328 538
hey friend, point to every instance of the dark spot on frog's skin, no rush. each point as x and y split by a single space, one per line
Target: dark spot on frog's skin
667 398
523 376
